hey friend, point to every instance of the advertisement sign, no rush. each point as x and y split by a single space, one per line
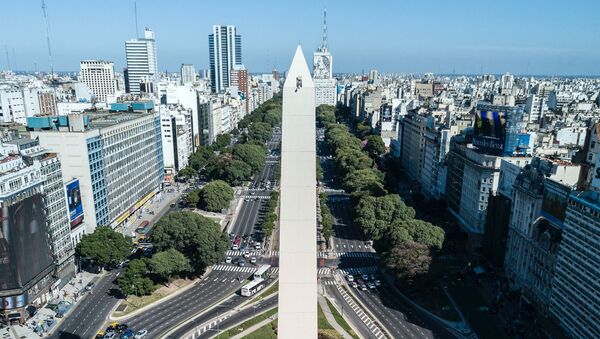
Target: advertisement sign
490 131
12 302
24 248
74 203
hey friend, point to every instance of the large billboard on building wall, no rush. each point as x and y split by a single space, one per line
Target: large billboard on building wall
490 131
24 245
74 203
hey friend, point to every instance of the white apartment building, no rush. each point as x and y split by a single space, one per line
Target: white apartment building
176 133
188 74
117 158
412 145
16 104
142 63
536 108
99 76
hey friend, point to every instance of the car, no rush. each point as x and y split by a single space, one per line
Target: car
354 284
127 334
371 285
257 245
246 254
228 260
365 277
252 193
242 262
363 287
350 278
110 335
235 247
90 285
253 260
377 282
140 334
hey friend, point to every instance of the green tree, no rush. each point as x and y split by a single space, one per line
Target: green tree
201 158
319 170
349 160
408 260
104 247
259 131
375 214
426 233
193 198
367 181
233 171
215 196
221 141
169 263
273 116
325 115
187 172
135 280
252 155
198 238
375 145
362 130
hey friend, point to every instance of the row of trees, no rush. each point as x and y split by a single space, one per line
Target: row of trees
214 196
268 224
326 217
383 217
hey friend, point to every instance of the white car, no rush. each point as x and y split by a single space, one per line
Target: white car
350 278
228 260
253 260
354 284
246 254
140 334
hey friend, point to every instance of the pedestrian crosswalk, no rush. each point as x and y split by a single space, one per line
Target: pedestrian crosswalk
232 253
348 255
256 196
361 314
329 282
350 270
241 269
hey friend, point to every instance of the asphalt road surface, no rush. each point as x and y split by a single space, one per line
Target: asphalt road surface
90 313
210 290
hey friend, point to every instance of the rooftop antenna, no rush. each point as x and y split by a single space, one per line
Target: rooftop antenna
324 45
48 41
136 20
7 59
14 59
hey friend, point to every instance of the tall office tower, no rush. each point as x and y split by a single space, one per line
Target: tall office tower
141 61
116 157
99 76
325 84
225 52
188 74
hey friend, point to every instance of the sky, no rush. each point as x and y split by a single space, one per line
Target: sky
550 37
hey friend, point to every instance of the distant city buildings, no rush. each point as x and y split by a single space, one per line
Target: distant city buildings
325 84
99 76
142 64
225 52
188 74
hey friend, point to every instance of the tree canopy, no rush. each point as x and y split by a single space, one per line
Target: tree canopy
233 171
375 145
201 158
198 238
409 259
187 172
367 181
168 263
259 131
253 155
375 214
325 115
135 280
215 196
104 247
221 141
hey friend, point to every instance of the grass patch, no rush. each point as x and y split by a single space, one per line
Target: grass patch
134 303
269 331
241 327
322 321
471 303
340 320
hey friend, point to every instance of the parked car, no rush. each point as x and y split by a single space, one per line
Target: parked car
89 286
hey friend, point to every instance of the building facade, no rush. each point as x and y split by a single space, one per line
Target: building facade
225 52
188 74
142 64
99 76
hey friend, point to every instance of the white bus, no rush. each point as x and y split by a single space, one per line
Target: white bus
263 272
252 287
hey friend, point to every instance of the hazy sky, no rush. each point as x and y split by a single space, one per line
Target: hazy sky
521 37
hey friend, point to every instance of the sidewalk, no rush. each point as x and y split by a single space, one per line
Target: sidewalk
331 319
255 327
45 320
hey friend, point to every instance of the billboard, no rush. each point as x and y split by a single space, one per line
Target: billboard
490 131
74 203
14 301
24 245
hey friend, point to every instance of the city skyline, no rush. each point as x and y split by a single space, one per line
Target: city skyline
404 38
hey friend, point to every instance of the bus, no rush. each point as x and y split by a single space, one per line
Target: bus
263 272
252 287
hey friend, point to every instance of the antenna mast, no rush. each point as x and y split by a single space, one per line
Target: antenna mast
7 59
324 46
136 20
48 41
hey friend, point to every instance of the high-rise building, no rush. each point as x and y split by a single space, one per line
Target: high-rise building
325 84
176 133
225 52
188 74
117 158
239 80
99 76
141 61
